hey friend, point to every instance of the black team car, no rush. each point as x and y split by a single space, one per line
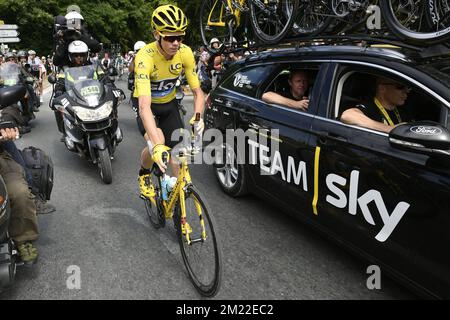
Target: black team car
386 197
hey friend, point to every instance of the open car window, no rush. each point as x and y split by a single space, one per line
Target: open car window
280 83
355 86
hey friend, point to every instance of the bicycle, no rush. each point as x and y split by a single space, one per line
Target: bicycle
413 21
271 20
193 223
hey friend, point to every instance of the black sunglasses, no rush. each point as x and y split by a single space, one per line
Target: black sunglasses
172 39
79 54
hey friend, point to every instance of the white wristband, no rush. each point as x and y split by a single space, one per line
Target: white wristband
150 146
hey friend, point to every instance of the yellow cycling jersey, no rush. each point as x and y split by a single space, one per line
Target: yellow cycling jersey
156 76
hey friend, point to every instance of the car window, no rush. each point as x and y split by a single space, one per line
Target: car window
282 86
356 87
247 81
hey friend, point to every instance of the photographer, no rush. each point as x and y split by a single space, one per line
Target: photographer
68 29
23 226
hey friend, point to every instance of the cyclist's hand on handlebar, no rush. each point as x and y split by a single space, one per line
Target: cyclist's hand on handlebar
160 153
200 125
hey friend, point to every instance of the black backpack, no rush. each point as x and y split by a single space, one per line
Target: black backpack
40 165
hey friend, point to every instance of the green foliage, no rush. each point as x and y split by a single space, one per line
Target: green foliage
111 22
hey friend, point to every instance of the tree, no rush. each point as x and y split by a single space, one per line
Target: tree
116 21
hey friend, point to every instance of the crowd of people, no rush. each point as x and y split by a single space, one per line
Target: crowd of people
211 63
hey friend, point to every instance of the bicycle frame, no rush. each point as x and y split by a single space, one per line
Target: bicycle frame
183 180
227 7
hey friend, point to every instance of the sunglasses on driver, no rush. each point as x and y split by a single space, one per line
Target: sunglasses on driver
398 86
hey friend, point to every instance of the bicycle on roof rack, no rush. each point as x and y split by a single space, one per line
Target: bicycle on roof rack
271 20
420 22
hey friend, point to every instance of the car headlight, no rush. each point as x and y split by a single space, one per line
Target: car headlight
100 113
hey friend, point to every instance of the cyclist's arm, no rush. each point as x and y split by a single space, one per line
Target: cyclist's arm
142 83
194 83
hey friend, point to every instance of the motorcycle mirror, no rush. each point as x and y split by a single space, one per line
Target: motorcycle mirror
51 79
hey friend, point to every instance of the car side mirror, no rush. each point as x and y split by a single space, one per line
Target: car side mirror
425 137
51 79
112 71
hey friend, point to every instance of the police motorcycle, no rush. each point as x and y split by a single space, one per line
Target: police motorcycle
13 92
90 116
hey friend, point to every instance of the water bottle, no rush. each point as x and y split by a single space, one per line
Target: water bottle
167 184
197 137
164 180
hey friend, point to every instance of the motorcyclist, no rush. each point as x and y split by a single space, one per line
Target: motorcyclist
78 54
23 112
75 30
25 71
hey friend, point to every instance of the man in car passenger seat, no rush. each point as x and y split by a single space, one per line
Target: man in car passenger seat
295 98
381 113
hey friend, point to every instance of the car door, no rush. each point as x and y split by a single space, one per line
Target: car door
389 204
278 143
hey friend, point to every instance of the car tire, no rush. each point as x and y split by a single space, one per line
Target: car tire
231 176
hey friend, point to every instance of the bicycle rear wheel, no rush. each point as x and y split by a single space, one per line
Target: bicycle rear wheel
202 257
410 32
273 20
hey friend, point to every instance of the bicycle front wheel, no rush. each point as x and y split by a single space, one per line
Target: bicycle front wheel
272 21
409 31
199 244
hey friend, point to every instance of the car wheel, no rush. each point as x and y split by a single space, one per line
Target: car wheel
231 176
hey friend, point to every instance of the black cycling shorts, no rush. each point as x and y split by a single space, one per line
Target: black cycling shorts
168 119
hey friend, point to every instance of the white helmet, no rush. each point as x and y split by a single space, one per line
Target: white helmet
31 52
214 40
73 15
139 45
77 46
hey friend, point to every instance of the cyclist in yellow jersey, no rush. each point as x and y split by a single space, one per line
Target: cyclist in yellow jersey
157 67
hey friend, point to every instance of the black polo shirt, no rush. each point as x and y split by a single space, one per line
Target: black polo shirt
289 95
370 109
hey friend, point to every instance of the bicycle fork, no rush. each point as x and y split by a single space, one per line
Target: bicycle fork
186 229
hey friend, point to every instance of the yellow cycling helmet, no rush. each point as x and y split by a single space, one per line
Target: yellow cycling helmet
169 18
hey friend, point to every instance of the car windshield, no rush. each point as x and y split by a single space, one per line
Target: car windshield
440 70
82 82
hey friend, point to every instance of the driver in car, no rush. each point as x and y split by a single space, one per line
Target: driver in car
384 111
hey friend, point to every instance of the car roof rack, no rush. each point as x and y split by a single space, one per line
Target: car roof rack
362 40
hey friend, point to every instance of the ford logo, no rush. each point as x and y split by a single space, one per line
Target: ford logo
426 131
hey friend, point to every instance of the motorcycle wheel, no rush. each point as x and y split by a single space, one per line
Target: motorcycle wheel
104 163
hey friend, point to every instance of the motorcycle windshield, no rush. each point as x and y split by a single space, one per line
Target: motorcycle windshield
83 85
9 73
